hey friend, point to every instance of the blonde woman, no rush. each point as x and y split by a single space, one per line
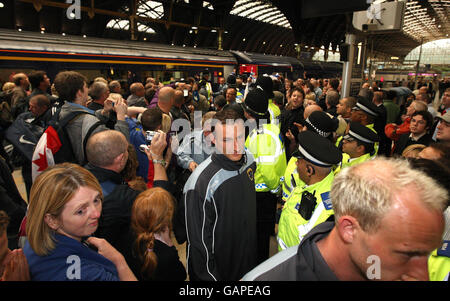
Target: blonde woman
64 209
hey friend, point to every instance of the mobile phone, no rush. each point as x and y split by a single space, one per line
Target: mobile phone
185 93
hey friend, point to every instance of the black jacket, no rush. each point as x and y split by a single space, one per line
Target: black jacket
299 263
118 199
287 119
115 220
11 202
404 141
219 211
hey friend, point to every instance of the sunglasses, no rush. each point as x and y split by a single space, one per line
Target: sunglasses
297 154
348 138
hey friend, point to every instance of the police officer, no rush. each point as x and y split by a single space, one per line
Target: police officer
266 83
358 145
265 144
208 93
309 204
364 112
320 123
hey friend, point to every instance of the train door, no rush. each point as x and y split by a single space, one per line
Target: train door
244 68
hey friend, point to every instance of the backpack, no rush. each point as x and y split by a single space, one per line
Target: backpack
24 135
6 118
54 145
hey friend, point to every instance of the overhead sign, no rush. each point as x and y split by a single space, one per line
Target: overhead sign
380 17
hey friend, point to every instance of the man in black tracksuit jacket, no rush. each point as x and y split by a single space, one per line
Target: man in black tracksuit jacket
217 215
219 210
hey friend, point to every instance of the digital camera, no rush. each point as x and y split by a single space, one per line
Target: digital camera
149 136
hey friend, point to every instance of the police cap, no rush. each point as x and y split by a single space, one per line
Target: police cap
317 150
361 133
321 123
266 83
363 104
256 102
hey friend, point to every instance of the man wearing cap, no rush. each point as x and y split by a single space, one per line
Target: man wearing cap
318 122
265 143
309 204
266 83
358 145
443 128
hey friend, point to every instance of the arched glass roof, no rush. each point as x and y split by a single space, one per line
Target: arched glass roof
149 9
435 52
262 11
125 25
426 19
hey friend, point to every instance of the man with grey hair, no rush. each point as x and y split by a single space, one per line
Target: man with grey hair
22 84
114 87
317 89
385 226
99 92
331 101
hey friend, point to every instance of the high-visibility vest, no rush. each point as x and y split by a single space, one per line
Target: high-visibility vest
290 179
292 227
209 90
376 146
239 97
267 148
274 112
347 161
439 263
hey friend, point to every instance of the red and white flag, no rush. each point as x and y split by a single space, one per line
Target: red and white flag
47 145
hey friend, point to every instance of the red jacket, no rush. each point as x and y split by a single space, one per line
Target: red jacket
394 131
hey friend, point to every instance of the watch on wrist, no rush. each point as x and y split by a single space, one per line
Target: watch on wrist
162 162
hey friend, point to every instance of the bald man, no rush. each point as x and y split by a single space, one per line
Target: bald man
178 109
137 96
311 108
107 153
166 99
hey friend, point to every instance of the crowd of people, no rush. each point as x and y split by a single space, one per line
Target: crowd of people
115 175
